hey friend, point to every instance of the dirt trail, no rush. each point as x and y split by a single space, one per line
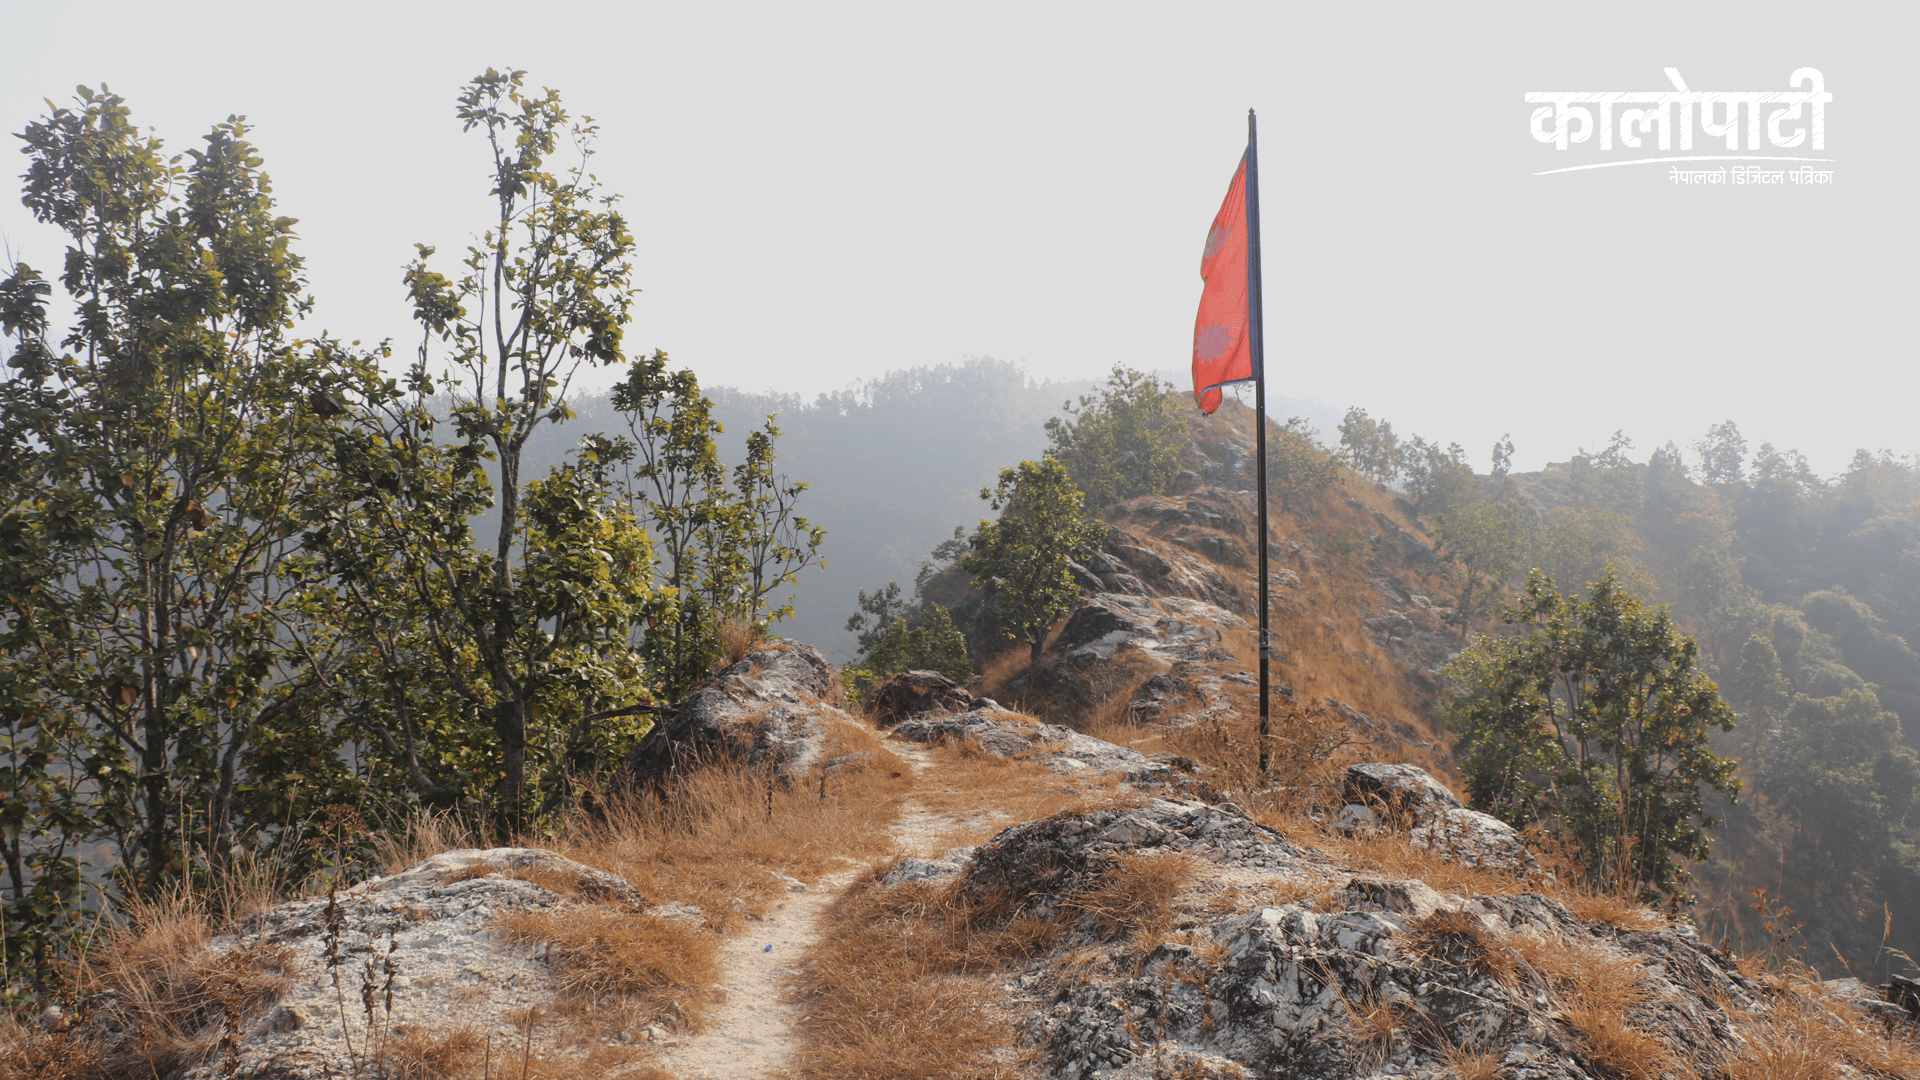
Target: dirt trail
751 1033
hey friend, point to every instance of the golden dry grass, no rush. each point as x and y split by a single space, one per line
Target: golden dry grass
1473 1063
1459 937
900 987
1806 1034
182 1001
711 838
1134 896
981 793
459 1054
659 969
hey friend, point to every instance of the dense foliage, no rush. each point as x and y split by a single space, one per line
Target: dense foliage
1022 558
1129 438
1595 723
245 613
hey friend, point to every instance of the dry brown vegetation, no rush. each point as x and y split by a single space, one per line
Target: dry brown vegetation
900 986
180 1000
654 968
418 1055
710 843
980 793
1134 896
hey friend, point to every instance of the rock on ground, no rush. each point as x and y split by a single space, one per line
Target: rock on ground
774 708
1010 735
1357 975
450 967
910 693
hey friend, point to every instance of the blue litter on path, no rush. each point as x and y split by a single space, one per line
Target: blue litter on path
767 949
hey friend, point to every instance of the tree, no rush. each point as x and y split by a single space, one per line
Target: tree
1435 477
1129 439
1487 539
1296 463
1595 722
546 287
1580 546
1503 455
1370 446
157 467
925 640
726 544
1023 558
1723 456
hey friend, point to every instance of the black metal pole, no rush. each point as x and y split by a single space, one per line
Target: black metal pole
1256 333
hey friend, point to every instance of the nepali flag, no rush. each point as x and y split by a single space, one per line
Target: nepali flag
1222 345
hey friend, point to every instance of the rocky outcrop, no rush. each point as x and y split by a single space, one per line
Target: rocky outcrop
1010 735
1385 796
771 709
427 941
1270 957
910 693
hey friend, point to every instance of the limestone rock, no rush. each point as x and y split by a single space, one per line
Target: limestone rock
1404 789
1010 735
1472 838
1280 988
436 923
910 693
772 708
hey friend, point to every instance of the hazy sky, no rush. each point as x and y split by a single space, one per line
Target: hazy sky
823 192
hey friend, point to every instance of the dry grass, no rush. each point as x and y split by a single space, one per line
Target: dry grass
657 970
1133 897
738 637
1610 909
983 793
1806 1034
1471 1063
1460 938
710 839
899 987
29 1054
1600 992
1374 1023
459 1054
175 992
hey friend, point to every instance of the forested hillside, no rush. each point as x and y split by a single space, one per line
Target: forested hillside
1804 594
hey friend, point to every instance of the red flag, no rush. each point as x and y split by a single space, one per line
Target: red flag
1222 347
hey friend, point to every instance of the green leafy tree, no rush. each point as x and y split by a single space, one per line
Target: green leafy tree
1596 722
1436 478
1609 480
727 541
158 462
545 288
1485 540
1503 456
1128 439
1723 456
1580 546
1296 462
1023 558
1370 446
878 611
928 641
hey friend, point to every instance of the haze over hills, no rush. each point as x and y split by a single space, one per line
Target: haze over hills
892 466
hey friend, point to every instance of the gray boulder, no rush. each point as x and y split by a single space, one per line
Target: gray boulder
1402 789
1236 980
771 709
1010 735
910 693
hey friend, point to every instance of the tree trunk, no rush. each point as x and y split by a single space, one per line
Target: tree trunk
1035 643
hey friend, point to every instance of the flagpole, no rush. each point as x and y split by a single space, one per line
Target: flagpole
1256 332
